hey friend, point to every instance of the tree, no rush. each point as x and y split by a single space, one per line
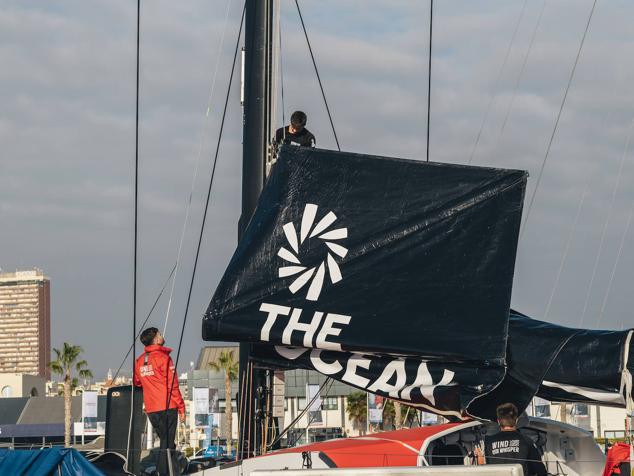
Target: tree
357 409
404 417
67 361
73 386
225 362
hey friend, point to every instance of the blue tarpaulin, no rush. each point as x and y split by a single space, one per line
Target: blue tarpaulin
44 462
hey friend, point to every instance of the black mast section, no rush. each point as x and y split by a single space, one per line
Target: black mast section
256 117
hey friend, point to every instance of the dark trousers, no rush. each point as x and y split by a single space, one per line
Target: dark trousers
165 424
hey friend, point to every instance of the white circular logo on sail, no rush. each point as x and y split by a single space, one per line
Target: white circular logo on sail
313 277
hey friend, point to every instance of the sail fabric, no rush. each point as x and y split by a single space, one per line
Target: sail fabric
378 256
532 347
444 388
540 361
395 276
404 250
595 366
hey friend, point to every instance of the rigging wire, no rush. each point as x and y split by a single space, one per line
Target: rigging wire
522 68
321 87
608 216
201 145
207 201
616 263
328 380
145 321
571 234
497 81
136 227
561 108
431 28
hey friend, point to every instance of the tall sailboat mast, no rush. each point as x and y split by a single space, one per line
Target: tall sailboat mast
255 148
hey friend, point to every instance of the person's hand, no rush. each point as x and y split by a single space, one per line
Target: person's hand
477 452
181 417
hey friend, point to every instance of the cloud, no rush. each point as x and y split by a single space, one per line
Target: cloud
67 129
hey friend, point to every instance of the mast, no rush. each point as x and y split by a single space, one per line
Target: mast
256 120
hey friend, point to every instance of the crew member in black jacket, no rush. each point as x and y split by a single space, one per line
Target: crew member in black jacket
295 133
509 446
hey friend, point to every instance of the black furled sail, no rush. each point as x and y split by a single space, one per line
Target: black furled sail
391 275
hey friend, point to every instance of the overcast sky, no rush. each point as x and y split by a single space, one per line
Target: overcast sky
67 95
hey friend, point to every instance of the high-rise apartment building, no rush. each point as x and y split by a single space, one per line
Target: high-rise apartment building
25 323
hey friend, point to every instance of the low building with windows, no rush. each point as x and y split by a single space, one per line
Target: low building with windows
601 421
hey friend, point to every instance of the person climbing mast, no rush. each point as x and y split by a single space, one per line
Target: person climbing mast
295 133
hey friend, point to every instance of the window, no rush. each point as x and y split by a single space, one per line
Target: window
542 411
581 410
301 403
330 403
541 407
222 405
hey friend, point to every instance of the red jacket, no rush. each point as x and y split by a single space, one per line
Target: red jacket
154 371
619 453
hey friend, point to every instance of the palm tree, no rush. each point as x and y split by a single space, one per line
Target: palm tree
398 416
73 386
225 362
67 360
357 409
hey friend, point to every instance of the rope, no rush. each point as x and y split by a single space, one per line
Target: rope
431 28
136 223
608 216
561 108
241 399
202 226
145 321
616 263
523 67
566 249
321 87
497 81
201 143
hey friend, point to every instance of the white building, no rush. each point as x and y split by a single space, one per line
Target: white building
21 385
601 421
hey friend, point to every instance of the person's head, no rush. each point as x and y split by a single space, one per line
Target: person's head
151 336
298 121
507 415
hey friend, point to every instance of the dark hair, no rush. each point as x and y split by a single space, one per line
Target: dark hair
147 336
507 414
298 119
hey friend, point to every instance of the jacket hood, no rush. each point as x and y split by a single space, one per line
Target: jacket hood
157 348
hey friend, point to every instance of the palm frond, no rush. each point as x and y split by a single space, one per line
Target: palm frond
85 373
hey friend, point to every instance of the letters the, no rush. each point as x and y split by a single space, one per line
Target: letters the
328 330
273 311
308 329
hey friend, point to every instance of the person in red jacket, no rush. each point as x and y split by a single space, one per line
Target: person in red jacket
155 372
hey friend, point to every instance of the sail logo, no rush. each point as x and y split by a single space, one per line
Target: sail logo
315 276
